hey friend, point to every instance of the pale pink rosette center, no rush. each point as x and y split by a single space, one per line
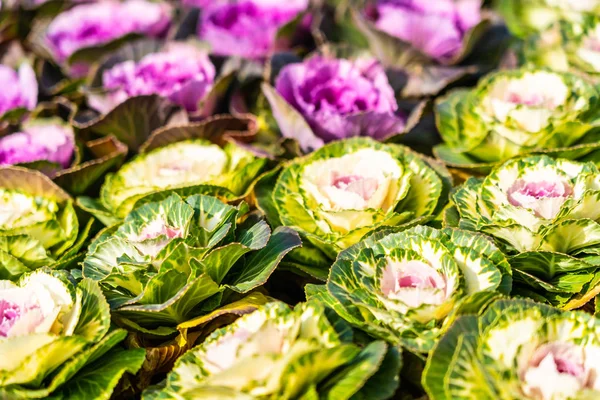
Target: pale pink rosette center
543 197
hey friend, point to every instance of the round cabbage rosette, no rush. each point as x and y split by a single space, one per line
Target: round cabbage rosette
173 260
516 112
38 223
568 47
407 287
51 332
517 349
525 17
339 193
279 353
544 213
190 166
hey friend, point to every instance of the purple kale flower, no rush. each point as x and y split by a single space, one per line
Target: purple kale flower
19 88
94 24
436 28
182 73
341 98
245 28
48 141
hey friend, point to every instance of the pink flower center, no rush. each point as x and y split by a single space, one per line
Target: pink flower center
544 198
9 314
156 229
413 281
364 187
538 190
174 169
528 99
564 356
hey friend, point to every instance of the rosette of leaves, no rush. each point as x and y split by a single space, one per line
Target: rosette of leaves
568 47
526 17
280 353
543 213
174 260
517 112
346 189
189 159
516 349
424 47
56 340
38 224
407 287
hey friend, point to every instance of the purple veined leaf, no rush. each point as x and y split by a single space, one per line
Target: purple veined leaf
218 129
132 121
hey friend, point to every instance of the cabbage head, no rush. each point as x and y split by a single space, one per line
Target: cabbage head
518 112
544 213
517 349
175 259
279 353
406 287
56 341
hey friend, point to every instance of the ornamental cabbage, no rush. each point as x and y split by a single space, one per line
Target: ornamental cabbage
568 47
338 99
196 165
525 17
55 337
38 223
517 112
545 214
405 287
245 28
181 72
346 189
437 29
279 353
517 349
39 140
175 259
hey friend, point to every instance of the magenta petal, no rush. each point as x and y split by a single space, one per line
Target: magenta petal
181 72
41 142
341 98
246 28
29 86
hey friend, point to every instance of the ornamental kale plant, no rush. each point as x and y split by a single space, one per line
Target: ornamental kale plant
193 166
407 287
568 47
95 24
180 72
176 259
544 213
49 140
244 28
337 98
346 189
56 339
437 29
38 223
517 112
517 349
280 353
